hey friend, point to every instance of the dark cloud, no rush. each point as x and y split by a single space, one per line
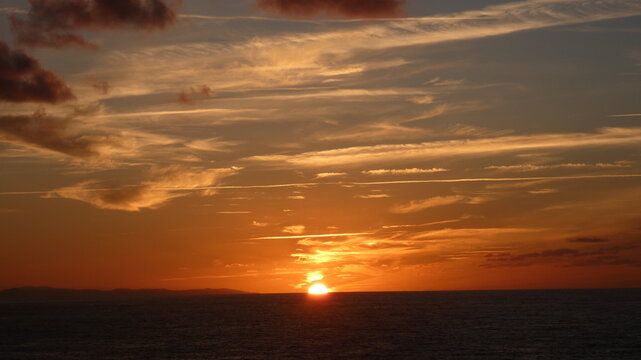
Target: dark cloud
50 133
593 257
102 86
184 98
22 79
52 23
199 92
546 253
609 260
346 8
508 259
588 240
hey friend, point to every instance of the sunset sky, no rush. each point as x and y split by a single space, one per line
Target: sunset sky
264 145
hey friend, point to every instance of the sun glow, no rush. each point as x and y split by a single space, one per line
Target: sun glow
318 289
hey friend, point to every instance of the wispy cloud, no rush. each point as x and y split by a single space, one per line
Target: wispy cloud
329 175
442 149
55 134
411 171
372 196
286 60
443 222
317 236
381 250
626 115
150 194
528 180
71 136
542 191
536 167
294 229
419 205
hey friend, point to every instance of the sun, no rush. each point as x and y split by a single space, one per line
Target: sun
318 289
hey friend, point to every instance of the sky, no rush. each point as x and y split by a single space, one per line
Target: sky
267 145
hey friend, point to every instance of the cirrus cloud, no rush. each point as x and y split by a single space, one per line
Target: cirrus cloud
164 185
418 205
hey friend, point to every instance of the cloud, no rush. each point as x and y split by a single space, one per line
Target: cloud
398 248
52 23
372 196
102 86
329 174
212 145
359 155
588 240
529 180
52 133
344 8
284 60
545 253
595 257
542 191
294 229
626 115
195 93
164 184
534 167
418 205
22 79
607 260
403 171
425 224
71 137
316 236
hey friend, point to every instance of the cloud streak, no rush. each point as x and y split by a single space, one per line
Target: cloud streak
360 155
375 183
419 205
536 167
318 236
412 171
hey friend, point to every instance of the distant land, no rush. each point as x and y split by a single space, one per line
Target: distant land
47 294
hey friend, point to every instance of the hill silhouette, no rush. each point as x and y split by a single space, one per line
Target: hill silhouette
47 294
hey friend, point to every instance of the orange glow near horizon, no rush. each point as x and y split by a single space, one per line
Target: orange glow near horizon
318 289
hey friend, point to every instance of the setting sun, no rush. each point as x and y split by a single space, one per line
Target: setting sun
318 289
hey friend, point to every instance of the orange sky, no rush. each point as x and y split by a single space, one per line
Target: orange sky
422 145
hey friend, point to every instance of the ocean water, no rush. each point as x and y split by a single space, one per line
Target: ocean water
566 324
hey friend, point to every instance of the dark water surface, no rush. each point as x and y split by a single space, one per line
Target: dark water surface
567 324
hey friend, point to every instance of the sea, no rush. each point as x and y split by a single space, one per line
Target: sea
533 324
